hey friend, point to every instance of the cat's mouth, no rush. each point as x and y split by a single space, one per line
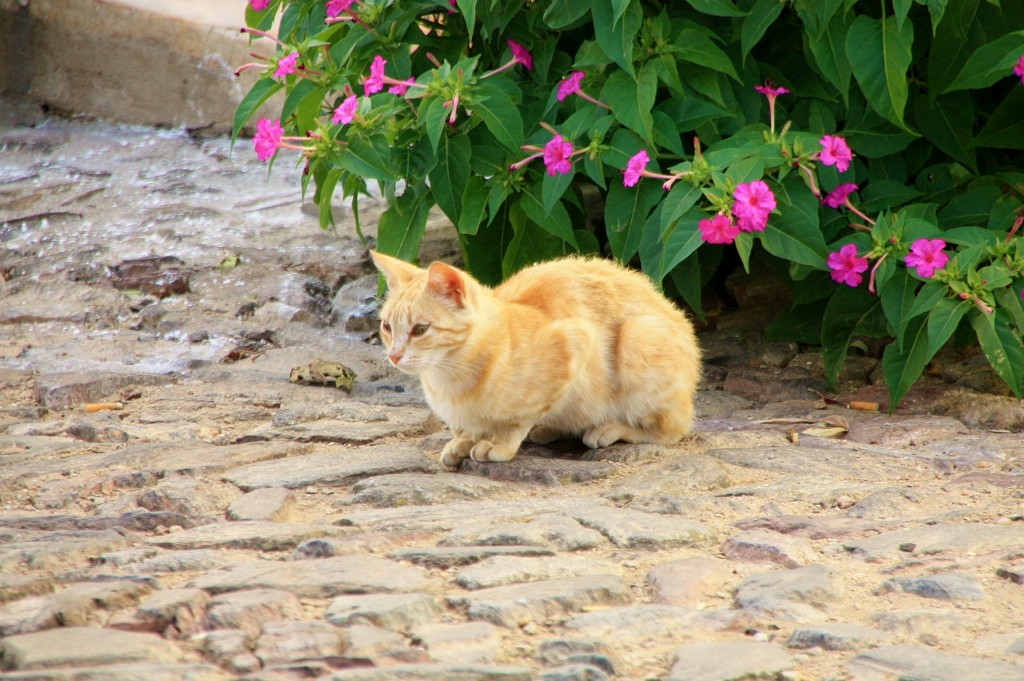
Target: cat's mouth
406 365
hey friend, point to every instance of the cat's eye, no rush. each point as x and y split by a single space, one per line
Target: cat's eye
386 327
420 329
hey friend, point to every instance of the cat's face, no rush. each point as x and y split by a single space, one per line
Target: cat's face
425 318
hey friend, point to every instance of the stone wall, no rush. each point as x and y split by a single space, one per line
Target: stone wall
137 61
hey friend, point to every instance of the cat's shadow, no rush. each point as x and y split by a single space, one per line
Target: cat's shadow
559 449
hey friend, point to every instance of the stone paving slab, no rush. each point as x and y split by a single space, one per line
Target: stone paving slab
321 578
936 539
912 662
135 671
248 534
519 604
633 529
454 556
340 467
84 646
433 672
729 661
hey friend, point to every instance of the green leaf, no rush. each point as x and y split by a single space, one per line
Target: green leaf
693 274
943 320
658 257
617 38
927 298
620 7
1002 346
970 236
897 297
948 123
970 208
872 136
816 14
323 196
794 234
829 50
401 226
882 194
901 9
448 179
746 169
632 100
468 10
694 46
501 116
718 8
368 158
762 15
433 118
553 187
847 309
880 56
625 213
561 13
954 40
1007 299
744 245
530 244
474 205
991 62
681 198
1005 128
262 91
556 221
903 366
263 19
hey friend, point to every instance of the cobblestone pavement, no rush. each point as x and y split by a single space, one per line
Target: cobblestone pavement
172 507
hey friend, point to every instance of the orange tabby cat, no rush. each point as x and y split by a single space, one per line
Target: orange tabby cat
568 348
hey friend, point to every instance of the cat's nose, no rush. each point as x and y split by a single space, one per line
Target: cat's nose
395 356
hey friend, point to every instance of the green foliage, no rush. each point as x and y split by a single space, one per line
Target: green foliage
924 92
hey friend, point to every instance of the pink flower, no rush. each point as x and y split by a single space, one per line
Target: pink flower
838 196
635 168
259 5
846 266
558 156
1019 68
401 88
346 112
718 230
570 85
452 3
267 139
286 65
770 91
835 152
521 55
375 81
336 7
753 203
926 256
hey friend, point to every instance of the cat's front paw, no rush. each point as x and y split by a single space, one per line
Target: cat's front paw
488 451
457 449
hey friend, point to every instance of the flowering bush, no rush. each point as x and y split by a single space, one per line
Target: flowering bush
846 139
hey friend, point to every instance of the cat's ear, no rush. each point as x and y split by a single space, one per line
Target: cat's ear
397 272
447 282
